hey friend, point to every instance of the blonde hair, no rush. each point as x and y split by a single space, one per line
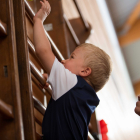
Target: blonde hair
100 64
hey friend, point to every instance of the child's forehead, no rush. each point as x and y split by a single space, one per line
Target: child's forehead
79 51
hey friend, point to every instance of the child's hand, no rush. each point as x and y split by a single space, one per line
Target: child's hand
46 84
43 12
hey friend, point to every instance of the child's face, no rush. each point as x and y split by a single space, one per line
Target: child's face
75 63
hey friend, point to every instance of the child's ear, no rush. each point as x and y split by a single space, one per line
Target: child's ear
85 72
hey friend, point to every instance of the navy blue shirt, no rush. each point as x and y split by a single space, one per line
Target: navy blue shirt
68 117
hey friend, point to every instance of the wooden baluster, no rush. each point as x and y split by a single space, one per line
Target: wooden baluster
6 110
3 29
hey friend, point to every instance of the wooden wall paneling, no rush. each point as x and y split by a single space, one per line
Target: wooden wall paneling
9 81
24 70
57 32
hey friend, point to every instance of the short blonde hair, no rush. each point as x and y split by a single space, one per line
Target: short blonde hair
100 64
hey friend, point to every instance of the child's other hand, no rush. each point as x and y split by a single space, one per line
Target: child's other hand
43 12
46 84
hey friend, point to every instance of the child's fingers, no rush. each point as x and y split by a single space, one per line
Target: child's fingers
44 1
41 4
44 86
45 75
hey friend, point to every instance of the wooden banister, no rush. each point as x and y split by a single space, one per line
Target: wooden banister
6 110
39 106
3 29
81 15
31 14
72 31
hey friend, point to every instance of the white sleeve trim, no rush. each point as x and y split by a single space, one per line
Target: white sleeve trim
61 79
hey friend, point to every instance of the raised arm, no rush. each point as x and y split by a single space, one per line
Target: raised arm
41 42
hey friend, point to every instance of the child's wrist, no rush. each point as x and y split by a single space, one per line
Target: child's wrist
37 20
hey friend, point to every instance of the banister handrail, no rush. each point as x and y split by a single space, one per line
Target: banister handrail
39 76
6 109
72 31
80 13
54 47
3 29
39 106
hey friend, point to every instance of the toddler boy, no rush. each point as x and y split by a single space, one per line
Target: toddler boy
74 82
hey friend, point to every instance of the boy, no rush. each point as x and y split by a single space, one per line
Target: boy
74 82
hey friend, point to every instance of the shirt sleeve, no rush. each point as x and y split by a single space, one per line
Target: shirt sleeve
61 79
